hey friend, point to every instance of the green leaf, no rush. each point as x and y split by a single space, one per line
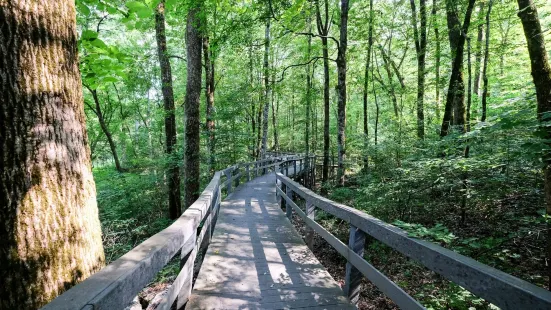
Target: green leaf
82 8
89 35
141 9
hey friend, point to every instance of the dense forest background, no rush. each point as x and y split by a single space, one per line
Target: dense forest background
475 187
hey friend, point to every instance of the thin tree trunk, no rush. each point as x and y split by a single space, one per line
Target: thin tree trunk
541 74
478 51
173 169
50 231
209 94
323 30
341 88
377 110
366 86
267 89
274 110
420 37
454 112
253 105
485 68
192 102
469 85
438 56
105 128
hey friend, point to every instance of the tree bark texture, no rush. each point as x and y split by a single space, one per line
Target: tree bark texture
541 74
192 102
50 232
173 169
341 87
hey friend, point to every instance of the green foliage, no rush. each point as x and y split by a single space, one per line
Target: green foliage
132 208
438 233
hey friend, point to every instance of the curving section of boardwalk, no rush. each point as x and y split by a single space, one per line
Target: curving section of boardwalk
257 260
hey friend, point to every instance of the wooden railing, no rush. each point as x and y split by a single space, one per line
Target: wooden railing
497 287
116 285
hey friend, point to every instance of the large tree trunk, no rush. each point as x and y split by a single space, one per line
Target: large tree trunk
267 90
192 102
541 74
50 231
341 87
485 68
209 94
420 37
173 169
437 60
454 112
323 30
366 86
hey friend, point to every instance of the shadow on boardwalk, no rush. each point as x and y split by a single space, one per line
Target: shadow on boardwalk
257 260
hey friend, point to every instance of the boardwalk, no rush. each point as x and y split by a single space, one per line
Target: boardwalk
257 260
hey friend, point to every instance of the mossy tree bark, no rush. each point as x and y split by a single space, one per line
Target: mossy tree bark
173 169
50 232
541 73
192 102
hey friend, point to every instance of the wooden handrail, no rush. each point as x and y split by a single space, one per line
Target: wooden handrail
116 285
501 289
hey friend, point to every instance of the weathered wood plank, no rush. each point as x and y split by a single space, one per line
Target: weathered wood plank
353 277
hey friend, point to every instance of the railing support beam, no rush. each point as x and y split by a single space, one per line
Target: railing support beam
289 209
228 173
353 278
311 213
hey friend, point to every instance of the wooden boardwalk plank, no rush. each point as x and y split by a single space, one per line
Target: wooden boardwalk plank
257 260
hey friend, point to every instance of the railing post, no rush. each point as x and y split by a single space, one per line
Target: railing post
238 179
295 168
353 278
276 168
311 213
289 208
248 171
287 168
228 174
314 172
282 201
